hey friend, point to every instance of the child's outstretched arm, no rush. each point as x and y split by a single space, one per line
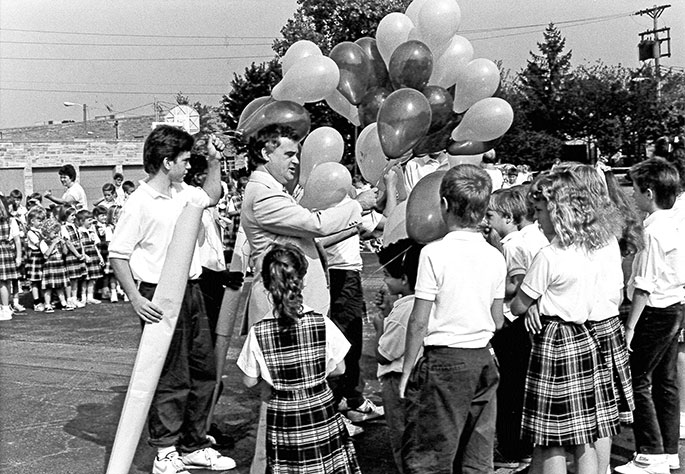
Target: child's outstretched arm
416 331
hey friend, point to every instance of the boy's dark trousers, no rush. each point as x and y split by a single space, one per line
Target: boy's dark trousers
178 414
512 347
347 311
653 363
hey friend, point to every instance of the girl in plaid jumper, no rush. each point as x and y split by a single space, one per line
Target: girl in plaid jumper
569 399
293 353
94 261
74 258
54 274
35 259
10 257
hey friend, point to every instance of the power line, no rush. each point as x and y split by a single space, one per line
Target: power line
140 59
111 83
48 43
132 35
537 25
110 92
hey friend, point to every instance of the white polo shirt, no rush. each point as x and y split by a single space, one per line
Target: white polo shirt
659 268
610 285
528 243
146 225
462 274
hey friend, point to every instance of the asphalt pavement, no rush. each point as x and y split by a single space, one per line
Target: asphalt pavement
63 379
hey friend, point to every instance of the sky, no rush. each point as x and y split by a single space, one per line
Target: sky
127 54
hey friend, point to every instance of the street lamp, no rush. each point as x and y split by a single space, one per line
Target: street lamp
85 113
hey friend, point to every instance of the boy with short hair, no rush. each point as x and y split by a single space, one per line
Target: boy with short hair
400 261
656 291
451 395
180 406
128 187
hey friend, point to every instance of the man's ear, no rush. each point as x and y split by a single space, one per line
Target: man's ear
166 162
649 194
444 205
265 155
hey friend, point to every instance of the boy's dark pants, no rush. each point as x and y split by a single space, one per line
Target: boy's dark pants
451 411
178 414
395 416
347 311
512 347
653 364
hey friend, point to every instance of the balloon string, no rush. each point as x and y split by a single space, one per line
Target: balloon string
382 267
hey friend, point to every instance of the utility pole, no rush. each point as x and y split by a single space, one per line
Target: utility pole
654 13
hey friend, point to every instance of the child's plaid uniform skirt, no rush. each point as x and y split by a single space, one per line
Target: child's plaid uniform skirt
34 265
54 273
75 267
568 389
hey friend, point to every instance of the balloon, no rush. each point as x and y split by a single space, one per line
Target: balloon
471 147
325 144
379 73
355 70
392 31
310 79
486 120
478 80
371 102
455 160
436 141
250 109
424 216
298 50
410 65
413 10
438 21
369 155
282 113
441 106
447 67
403 119
396 226
341 105
327 185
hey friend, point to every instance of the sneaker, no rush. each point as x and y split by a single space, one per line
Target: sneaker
113 298
5 314
40 307
49 308
172 463
673 462
646 464
78 303
125 297
93 301
17 308
365 412
352 430
501 461
208 458
67 306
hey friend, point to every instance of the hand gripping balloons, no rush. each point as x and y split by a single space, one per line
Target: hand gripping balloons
328 184
310 79
486 120
323 145
369 155
379 72
282 113
250 109
298 50
424 217
342 106
411 65
478 80
403 119
438 21
447 67
371 102
355 70
392 31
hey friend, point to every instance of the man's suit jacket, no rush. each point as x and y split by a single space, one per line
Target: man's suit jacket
270 215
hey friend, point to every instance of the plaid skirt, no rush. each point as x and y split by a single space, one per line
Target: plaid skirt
34 266
305 433
8 263
567 399
54 274
612 344
74 267
93 268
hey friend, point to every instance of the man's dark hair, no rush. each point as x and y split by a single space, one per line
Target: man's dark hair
165 141
69 171
658 175
117 176
268 138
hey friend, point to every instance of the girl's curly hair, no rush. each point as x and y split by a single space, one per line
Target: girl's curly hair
283 271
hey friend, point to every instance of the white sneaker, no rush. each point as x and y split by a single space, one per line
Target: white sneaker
113 298
365 412
208 458
169 464
352 430
5 314
673 462
78 303
646 464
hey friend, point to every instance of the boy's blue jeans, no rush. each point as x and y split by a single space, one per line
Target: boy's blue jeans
653 363
178 414
451 412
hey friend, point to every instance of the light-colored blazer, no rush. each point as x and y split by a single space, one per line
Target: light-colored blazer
270 215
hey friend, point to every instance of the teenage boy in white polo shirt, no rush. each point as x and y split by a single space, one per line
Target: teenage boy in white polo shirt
180 406
451 401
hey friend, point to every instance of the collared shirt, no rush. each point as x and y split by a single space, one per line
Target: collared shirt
345 255
391 343
659 268
463 275
144 230
76 195
528 244
418 167
610 285
211 246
